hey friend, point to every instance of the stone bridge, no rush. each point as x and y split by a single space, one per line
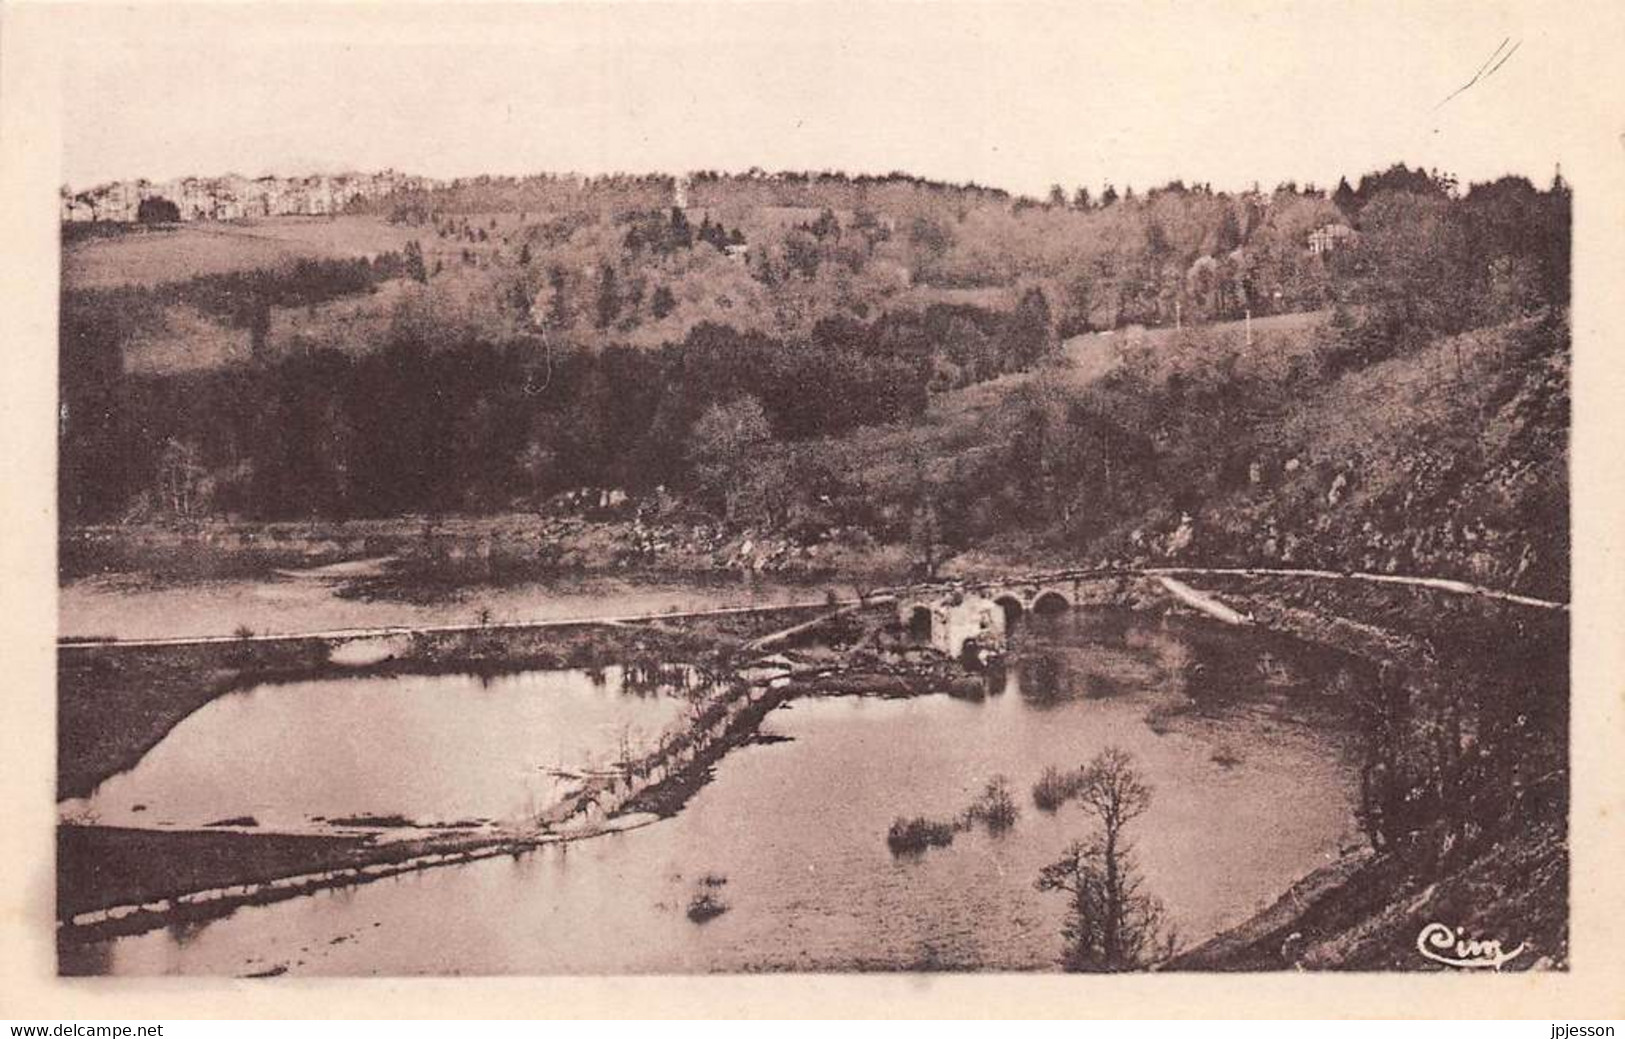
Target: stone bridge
976 615
980 612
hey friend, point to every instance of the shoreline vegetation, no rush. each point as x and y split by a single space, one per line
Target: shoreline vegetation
121 701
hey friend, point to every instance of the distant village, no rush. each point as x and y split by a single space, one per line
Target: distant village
231 197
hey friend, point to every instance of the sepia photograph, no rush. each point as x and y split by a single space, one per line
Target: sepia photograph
603 489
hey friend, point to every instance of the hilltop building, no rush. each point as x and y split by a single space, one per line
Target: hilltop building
1323 240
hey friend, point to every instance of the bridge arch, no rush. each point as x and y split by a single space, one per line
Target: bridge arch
916 617
1051 600
1012 606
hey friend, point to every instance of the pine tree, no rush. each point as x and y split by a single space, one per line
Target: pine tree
609 303
558 308
1228 236
663 302
414 262
1344 198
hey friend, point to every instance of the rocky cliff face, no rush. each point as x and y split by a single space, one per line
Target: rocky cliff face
1452 462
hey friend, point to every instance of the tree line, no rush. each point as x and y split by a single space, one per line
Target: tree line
425 425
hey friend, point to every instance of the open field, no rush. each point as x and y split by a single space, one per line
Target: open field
144 256
467 287
190 340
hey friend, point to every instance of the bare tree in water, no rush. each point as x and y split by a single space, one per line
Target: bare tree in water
1114 925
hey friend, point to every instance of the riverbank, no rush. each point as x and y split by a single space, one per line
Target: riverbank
106 866
429 554
847 652
795 815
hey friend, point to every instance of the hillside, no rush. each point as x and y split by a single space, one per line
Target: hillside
1448 461
636 261
937 366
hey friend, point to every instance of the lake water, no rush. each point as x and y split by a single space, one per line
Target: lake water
132 606
792 830
426 748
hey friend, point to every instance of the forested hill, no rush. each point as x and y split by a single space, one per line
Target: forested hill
827 244
762 351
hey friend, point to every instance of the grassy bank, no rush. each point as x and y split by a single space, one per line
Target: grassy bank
101 866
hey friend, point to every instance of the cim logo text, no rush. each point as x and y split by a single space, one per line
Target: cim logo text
1452 947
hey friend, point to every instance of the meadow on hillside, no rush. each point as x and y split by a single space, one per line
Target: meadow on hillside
152 256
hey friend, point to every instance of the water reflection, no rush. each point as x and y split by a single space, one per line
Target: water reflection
182 931
131 605
798 827
447 749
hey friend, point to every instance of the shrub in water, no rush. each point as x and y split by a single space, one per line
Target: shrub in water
1054 788
918 834
995 808
705 906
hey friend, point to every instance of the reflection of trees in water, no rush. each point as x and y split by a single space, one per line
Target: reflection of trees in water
1216 667
1050 679
1043 679
1061 656
1184 664
183 930
996 679
649 678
